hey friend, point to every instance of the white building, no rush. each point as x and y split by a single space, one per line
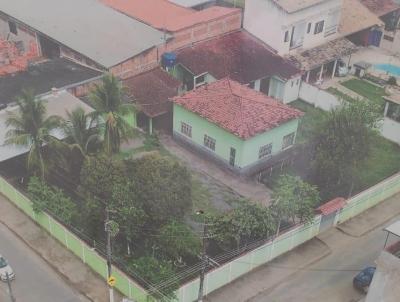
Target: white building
288 25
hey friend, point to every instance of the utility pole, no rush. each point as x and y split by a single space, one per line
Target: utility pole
12 298
109 257
204 258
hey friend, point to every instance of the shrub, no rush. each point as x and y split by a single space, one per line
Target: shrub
392 81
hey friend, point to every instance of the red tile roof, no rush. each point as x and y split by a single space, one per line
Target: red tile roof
237 55
151 91
332 206
381 7
163 14
236 108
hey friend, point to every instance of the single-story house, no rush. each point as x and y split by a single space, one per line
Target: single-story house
235 126
391 120
244 59
151 91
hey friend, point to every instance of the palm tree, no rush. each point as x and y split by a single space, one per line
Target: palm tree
29 127
81 131
107 102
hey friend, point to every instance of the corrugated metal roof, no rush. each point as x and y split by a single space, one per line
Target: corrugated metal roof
292 6
86 26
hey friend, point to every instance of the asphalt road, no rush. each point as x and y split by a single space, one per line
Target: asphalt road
35 279
330 279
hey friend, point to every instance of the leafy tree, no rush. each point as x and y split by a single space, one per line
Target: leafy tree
99 175
128 211
162 185
177 240
293 199
246 222
156 272
343 143
53 199
108 104
29 127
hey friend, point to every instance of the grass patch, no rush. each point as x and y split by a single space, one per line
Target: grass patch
341 95
383 162
310 121
365 89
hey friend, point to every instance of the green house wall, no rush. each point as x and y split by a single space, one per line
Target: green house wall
246 150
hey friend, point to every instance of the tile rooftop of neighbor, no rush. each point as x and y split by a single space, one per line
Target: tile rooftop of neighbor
292 6
88 27
151 91
381 7
168 16
236 108
43 76
332 206
356 17
237 55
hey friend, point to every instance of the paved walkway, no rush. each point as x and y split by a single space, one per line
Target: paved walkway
77 274
247 188
318 272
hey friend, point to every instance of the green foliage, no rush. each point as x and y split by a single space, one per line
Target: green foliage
29 127
156 271
152 142
107 101
163 186
392 81
294 199
342 144
177 240
99 175
51 199
127 209
366 89
246 222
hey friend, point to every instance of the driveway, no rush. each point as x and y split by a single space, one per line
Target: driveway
247 188
35 279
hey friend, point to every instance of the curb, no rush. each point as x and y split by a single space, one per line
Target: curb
54 267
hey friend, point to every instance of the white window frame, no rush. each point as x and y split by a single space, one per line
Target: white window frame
261 152
285 145
209 142
319 27
195 84
186 129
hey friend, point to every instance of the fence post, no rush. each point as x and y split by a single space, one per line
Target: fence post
83 252
50 225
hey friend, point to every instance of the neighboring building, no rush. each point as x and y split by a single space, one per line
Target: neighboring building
83 30
41 77
202 4
287 25
243 58
235 126
150 91
391 121
184 25
57 103
14 57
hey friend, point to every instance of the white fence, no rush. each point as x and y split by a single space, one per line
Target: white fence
318 97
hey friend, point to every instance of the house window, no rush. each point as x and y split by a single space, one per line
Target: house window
13 27
200 80
288 141
319 27
209 142
291 83
308 28
252 84
286 39
265 151
186 129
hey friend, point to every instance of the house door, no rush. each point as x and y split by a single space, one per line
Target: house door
50 49
232 157
264 86
375 38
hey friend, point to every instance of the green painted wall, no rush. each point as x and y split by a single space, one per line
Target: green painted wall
246 151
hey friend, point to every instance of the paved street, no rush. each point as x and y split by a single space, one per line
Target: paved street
35 279
330 279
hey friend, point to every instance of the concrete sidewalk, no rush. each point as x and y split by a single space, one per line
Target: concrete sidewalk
71 268
271 274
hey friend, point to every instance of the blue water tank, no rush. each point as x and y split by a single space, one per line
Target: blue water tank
168 59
